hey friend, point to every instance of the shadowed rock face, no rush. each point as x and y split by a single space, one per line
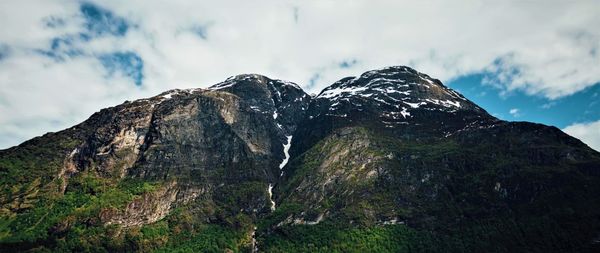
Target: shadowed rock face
391 147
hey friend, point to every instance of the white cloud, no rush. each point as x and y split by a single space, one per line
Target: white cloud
514 112
589 133
548 48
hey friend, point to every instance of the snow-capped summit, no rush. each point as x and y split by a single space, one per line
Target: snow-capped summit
281 100
398 87
396 99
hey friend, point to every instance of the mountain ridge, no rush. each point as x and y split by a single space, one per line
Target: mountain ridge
257 162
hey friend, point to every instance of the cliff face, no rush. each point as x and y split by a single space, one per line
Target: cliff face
391 160
228 136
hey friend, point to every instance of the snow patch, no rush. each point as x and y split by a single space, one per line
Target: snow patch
393 221
286 152
169 95
301 221
75 151
404 112
337 91
445 103
390 90
228 83
288 83
415 105
427 80
385 80
270 192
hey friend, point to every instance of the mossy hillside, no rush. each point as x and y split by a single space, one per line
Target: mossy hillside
70 222
58 218
504 234
329 237
29 172
182 231
334 171
453 186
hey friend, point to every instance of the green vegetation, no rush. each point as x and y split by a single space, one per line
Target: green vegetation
326 237
35 159
495 235
75 213
501 193
28 173
210 238
496 193
180 232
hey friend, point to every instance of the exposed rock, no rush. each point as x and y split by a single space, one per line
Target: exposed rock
259 158
150 208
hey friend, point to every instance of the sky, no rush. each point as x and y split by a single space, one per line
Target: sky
525 60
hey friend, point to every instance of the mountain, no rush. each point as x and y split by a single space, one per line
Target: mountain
389 161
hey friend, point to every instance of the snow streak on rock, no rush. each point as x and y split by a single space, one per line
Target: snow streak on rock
286 151
270 192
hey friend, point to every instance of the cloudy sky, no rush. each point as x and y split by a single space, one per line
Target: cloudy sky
61 61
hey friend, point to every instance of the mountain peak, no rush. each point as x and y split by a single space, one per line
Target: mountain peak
252 80
400 87
397 79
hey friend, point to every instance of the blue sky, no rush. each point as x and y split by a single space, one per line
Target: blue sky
583 106
520 60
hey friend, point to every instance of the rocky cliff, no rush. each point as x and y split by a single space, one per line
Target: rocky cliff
389 161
